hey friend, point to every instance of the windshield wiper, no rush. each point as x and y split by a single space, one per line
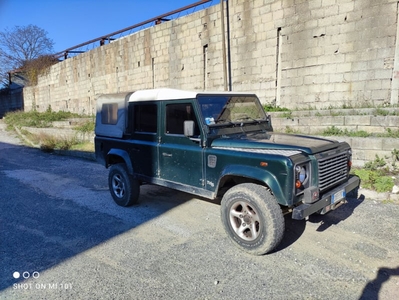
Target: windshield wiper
223 122
249 118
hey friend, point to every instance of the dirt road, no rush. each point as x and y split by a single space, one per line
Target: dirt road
62 234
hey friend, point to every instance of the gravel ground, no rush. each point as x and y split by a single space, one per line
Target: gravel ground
59 225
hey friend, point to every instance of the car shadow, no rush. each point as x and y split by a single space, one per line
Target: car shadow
295 228
53 208
336 216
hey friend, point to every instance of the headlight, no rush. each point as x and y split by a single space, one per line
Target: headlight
301 173
301 176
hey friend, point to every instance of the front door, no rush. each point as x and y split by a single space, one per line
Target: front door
180 157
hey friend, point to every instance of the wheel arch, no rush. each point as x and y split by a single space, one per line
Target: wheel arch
115 156
234 175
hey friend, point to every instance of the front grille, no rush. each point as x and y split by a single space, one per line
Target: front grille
332 170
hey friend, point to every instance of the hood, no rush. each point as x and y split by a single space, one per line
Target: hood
276 141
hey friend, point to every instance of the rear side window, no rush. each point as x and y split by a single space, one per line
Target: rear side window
145 118
109 113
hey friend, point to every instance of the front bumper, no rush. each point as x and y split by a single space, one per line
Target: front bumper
326 203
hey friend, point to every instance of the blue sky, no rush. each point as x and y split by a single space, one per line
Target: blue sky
72 22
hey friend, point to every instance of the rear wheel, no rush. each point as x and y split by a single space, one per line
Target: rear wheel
125 190
252 218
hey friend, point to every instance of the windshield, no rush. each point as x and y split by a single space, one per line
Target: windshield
225 110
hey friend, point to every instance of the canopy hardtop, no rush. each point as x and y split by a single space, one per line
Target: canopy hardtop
111 108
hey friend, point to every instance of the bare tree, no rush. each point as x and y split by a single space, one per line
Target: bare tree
22 44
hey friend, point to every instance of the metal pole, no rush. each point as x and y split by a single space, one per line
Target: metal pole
223 46
228 45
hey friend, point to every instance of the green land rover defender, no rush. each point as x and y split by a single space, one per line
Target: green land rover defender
220 145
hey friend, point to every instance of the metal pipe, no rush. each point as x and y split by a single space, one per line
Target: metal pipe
223 45
228 45
104 37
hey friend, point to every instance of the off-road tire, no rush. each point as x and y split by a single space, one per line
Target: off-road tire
252 218
125 190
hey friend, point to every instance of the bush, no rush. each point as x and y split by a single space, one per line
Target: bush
376 176
49 143
37 119
87 127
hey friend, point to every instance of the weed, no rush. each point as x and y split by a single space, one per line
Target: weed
374 165
271 108
358 133
395 156
334 113
86 127
36 119
347 106
376 176
389 133
287 114
332 131
289 129
375 180
381 112
49 143
383 184
87 147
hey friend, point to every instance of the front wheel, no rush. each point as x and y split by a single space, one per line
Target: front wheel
252 218
124 189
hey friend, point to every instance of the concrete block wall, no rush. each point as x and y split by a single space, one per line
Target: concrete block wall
365 149
292 53
170 54
316 125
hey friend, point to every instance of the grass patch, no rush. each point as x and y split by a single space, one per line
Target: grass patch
376 175
37 119
86 127
389 133
291 130
49 143
375 180
271 108
334 131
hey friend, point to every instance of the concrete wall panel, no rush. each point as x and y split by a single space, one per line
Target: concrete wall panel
319 53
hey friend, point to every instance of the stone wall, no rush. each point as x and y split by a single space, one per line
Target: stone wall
366 120
292 53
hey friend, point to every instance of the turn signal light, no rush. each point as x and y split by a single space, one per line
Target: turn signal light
298 184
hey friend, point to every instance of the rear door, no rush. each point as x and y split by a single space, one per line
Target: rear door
143 148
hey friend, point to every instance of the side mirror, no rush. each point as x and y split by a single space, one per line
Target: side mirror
188 128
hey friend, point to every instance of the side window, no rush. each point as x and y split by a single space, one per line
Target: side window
145 118
109 113
176 114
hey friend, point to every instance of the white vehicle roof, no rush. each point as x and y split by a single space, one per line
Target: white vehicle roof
111 109
171 94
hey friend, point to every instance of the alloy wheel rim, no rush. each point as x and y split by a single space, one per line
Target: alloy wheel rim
118 186
244 220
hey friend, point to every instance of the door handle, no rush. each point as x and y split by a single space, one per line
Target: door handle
166 154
